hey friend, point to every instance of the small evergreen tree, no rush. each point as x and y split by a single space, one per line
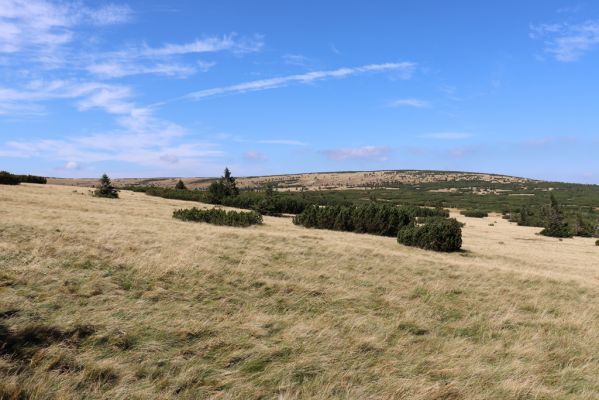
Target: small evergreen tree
555 225
224 187
106 189
180 185
229 183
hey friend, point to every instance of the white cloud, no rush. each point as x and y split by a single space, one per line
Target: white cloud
254 156
207 45
121 69
567 42
447 135
46 25
282 141
405 68
366 152
416 103
72 165
297 60
162 60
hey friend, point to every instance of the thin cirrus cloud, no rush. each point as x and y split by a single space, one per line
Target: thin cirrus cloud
283 142
358 153
254 156
162 60
404 68
119 70
45 25
567 42
414 103
447 135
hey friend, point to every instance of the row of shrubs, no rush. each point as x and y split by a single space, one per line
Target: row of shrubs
257 201
438 233
384 220
219 217
475 213
6 178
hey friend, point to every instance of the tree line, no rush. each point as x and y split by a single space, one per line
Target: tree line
6 178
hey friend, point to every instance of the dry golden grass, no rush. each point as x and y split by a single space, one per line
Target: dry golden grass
115 299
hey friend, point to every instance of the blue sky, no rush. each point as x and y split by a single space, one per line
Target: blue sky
167 88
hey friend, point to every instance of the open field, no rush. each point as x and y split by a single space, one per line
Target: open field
115 299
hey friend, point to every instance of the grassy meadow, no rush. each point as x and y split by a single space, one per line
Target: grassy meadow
115 299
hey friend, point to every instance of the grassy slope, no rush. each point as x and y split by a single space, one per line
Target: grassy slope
116 299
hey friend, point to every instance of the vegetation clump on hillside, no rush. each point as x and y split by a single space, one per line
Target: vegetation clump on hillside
223 188
555 225
106 189
475 213
6 178
441 235
375 219
180 185
219 217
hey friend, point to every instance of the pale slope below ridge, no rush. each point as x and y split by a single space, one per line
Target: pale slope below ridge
316 180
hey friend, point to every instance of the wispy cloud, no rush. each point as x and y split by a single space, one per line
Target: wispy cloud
539 142
363 153
166 60
119 70
254 156
415 103
45 25
283 141
447 135
405 68
567 42
298 60
213 44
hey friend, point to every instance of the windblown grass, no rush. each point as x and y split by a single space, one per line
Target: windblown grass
118 300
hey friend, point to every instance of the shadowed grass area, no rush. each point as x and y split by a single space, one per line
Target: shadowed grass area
102 300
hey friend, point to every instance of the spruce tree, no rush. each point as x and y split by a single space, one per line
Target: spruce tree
106 189
555 225
180 185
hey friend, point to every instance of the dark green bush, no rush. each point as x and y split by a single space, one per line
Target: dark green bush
6 178
169 193
384 220
32 179
441 235
219 217
597 243
475 213
106 189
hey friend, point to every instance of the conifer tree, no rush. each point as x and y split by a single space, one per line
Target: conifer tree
106 189
555 225
180 185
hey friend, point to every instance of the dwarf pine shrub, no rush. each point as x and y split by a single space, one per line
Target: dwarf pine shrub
6 178
32 179
475 213
440 235
219 217
376 219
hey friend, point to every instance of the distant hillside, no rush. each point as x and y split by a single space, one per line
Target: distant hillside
321 180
